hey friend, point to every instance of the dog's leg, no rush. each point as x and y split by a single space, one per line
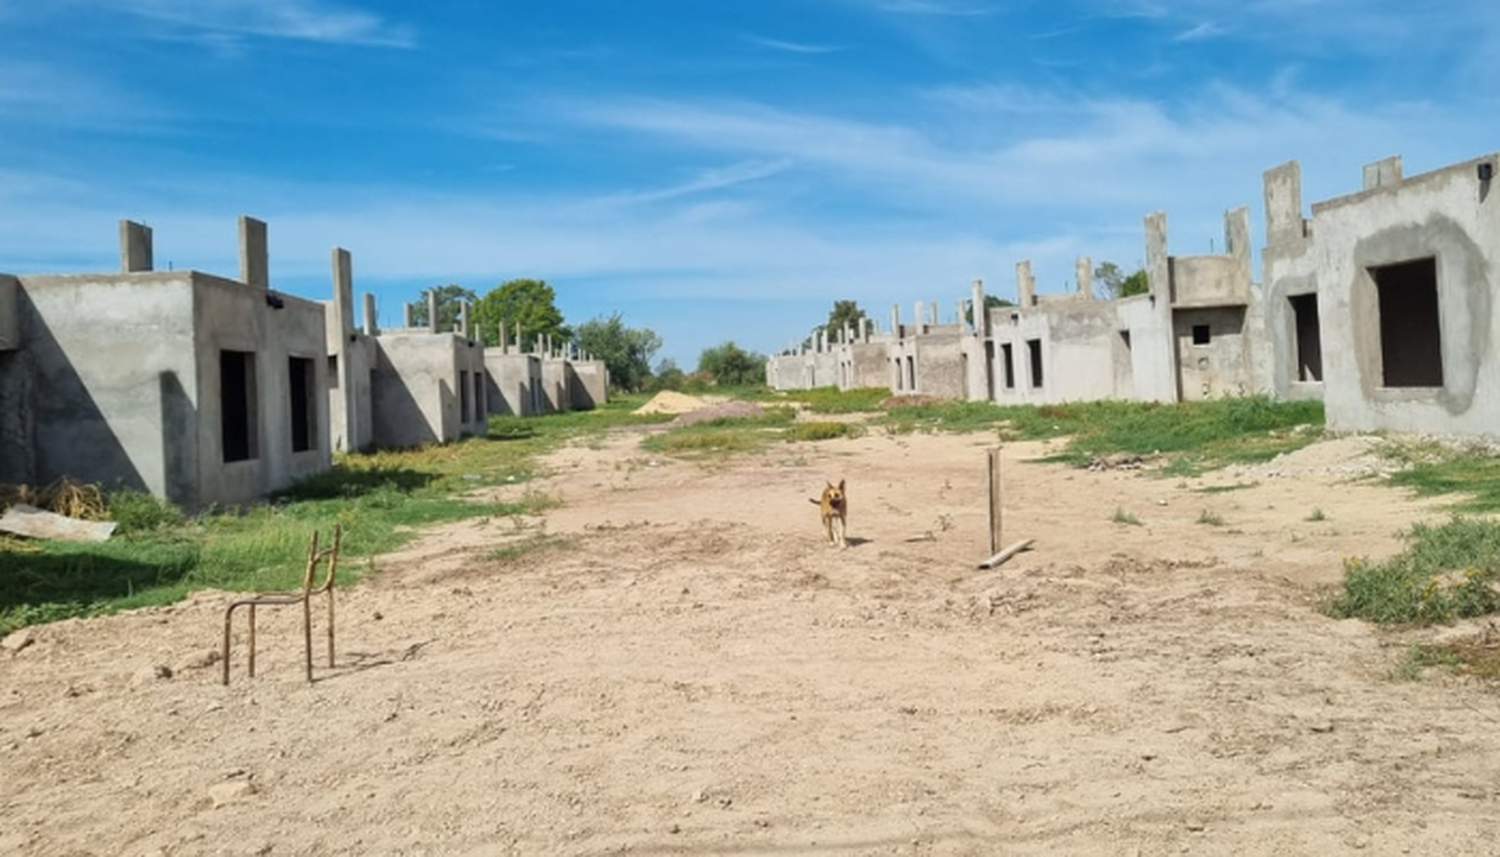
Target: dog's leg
828 529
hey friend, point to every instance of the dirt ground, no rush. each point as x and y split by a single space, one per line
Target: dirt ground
690 669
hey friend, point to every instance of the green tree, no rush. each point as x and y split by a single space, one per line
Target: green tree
731 365
843 313
626 351
530 303
1110 282
990 302
450 298
668 376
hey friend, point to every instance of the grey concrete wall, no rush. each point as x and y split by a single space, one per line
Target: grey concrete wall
351 359
869 364
10 320
1218 367
1147 320
941 370
123 411
589 381
419 384
514 382
1449 215
1288 270
230 315
556 394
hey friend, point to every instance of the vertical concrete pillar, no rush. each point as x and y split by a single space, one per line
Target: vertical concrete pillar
1083 269
921 317
343 294
1283 186
1158 271
406 315
372 326
255 259
1025 284
1237 240
1385 172
896 320
432 311
465 320
963 312
135 247
932 313
981 314
504 340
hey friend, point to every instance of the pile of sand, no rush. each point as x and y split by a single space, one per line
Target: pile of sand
671 402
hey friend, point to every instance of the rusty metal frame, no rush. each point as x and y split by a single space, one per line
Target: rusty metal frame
282 599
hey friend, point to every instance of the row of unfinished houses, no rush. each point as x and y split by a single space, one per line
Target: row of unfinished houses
208 390
1382 304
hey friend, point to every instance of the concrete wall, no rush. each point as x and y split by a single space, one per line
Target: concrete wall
351 360
1452 217
230 315
589 381
419 386
515 382
143 408
556 394
1289 280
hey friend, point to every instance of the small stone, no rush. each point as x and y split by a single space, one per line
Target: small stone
15 641
700 796
1322 727
229 792
675 829
1196 827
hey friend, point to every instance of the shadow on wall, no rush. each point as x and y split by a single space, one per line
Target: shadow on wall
65 431
399 420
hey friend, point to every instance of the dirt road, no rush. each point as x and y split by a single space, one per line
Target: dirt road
689 669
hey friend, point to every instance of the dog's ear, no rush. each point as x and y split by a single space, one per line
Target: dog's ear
830 485
841 484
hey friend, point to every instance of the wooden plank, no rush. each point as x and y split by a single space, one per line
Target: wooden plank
34 523
1006 554
995 504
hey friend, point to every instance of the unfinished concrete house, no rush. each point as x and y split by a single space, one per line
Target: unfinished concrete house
524 383
426 385
198 388
1385 298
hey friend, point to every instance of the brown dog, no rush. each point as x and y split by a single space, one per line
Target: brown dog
835 508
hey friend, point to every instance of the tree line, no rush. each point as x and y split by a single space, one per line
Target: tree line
528 310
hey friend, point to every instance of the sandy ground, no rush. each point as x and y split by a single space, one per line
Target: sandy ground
689 669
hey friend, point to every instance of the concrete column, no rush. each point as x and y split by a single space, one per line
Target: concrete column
963 312
432 311
372 327
1025 284
255 259
465 320
343 294
921 318
1283 186
896 320
406 315
1158 271
981 313
135 247
504 340
932 313
1083 269
1237 240
1383 173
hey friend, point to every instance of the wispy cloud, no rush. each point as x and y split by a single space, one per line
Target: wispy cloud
707 181
303 20
793 47
1200 32
945 8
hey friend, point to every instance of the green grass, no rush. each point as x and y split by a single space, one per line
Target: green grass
832 400
1225 489
1446 572
1210 518
1317 515
158 555
1123 517
1434 470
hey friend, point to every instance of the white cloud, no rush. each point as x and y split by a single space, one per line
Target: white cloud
793 47
304 20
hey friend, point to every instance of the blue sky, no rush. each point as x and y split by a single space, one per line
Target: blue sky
710 170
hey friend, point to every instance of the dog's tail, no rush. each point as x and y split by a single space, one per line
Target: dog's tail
814 501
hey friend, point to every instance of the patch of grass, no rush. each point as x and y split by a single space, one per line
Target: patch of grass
950 416
1446 572
381 499
1225 489
1418 658
1123 517
1317 515
535 543
832 400
822 431
1210 518
1433 470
